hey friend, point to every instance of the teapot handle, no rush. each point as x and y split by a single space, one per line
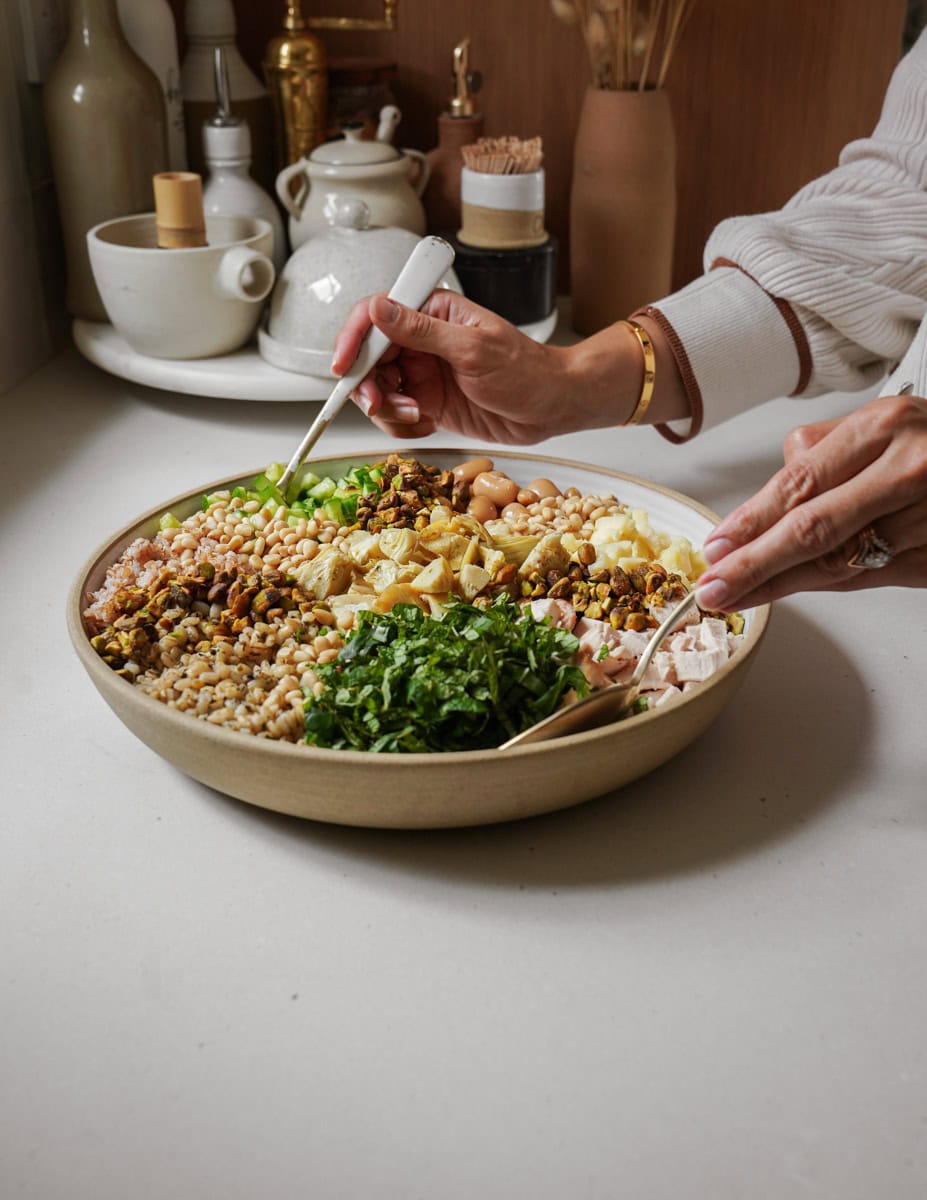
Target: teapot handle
293 204
424 170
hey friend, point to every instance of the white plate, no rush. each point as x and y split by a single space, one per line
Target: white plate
243 375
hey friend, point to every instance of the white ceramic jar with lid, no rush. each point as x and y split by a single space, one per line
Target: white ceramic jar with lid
352 167
324 278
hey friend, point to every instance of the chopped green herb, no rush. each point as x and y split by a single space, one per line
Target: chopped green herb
466 680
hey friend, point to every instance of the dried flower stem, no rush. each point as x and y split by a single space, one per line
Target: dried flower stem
680 12
626 39
653 25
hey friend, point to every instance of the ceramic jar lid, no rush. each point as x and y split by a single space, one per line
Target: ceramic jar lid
324 278
353 150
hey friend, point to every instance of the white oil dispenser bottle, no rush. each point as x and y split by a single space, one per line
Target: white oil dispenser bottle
211 23
229 187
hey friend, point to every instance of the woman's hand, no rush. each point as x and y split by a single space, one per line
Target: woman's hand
800 531
455 366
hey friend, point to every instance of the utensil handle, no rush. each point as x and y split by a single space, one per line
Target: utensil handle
424 270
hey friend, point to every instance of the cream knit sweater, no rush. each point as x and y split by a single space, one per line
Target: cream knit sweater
827 294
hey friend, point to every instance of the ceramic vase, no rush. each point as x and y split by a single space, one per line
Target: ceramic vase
622 205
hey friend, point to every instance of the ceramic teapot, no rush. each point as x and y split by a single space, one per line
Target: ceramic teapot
324 278
353 167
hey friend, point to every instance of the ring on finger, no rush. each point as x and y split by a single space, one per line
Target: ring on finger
872 551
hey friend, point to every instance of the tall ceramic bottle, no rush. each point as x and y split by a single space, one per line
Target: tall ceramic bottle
105 116
152 33
211 23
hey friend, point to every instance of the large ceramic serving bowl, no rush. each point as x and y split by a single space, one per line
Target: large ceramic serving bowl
423 790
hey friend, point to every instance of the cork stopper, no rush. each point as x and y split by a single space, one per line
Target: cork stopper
179 209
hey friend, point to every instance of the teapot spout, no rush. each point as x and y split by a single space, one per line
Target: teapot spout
390 116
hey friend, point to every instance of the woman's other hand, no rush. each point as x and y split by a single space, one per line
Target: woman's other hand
841 477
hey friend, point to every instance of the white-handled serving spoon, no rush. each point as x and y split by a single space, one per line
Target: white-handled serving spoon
424 270
607 704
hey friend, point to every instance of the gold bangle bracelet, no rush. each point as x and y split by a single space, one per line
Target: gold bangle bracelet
650 372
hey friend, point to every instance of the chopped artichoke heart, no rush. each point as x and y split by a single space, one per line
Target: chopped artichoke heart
360 546
516 547
328 574
351 601
492 559
472 580
399 593
399 545
445 544
548 555
434 604
386 573
437 577
472 552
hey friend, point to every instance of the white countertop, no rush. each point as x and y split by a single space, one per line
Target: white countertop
712 984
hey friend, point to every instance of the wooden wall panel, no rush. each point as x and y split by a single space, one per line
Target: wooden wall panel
764 95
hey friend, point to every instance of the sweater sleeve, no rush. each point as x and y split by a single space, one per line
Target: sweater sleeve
825 294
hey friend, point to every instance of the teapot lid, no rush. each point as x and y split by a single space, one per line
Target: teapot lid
352 150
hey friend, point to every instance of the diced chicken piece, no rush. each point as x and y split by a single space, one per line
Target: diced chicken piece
712 634
593 635
595 676
560 613
697 665
667 697
635 643
662 670
684 640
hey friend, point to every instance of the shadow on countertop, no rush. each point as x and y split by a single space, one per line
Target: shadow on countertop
707 806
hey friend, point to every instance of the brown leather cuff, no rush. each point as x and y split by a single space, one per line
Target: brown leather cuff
689 382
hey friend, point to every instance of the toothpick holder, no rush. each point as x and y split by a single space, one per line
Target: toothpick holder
502 212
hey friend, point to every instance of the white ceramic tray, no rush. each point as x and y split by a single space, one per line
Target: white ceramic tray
243 375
